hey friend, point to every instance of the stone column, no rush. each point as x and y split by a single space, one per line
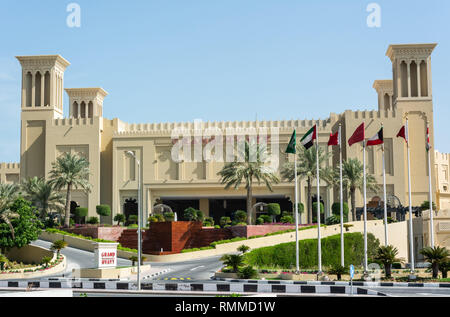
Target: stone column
24 89
33 90
408 68
42 89
419 92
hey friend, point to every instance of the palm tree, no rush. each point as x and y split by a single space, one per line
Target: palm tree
306 168
352 174
58 245
233 260
387 255
436 256
43 195
243 248
72 172
250 166
8 194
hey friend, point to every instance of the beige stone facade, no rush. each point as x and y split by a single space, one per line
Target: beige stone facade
45 134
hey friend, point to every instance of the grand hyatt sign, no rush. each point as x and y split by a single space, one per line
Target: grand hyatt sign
105 255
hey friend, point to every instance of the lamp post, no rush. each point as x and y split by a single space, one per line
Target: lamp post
130 153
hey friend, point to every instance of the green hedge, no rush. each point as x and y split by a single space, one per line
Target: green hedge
283 255
103 210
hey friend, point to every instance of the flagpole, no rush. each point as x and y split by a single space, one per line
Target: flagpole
319 242
341 197
386 234
431 188
411 237
297 261
365 208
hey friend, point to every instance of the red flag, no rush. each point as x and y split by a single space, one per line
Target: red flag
402 133
334 139
428 139
357 136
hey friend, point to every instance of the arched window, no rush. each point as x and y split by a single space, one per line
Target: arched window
90 110
387 102
414 79
75 110
83 110
404 79
423 79
28 83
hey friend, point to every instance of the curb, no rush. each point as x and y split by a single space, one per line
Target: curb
339 283
194 287
66 279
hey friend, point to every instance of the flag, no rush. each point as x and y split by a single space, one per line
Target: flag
402 133
376 139
292 143
334 139
357 136
428 139
308 139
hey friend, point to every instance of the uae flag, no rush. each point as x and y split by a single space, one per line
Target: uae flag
334 139
308 139
376 139
358 135
428 139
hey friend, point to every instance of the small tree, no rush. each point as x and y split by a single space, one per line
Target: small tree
273 210
46 260
200 215
133 219
233 260
224 221
134 259
92 220
240 216
435 256
120 218
243 248
3 262
444 267
169 216
58 245
387 255
315 212
426 206
247 272
336 210
338 270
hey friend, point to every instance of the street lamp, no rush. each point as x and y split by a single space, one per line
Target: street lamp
130 153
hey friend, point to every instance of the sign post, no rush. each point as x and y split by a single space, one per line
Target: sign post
105 255
352 274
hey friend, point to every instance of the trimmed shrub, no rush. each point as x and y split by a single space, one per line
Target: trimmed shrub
283 255
200 215
92 220
208 222
103 210
301 208
240 216
159 217
152 219
260 221
336 209
133 219
273 210
287 219
314 211
80 213
266 218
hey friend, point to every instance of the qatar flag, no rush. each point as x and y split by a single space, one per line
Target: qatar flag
376 139
358 135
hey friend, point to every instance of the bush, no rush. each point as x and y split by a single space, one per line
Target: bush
159 217
266 218
273 210
224 221
333 220
301 208
336 209
133 219
200 215
103 210
81 212
216 227
283 255
287 219
92 220
120 218
314 211
152 219
426 205
190 214
260 221
169 216
208 222
240 216
247 272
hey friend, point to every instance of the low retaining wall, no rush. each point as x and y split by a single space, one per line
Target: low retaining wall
32 254
105 233
250 231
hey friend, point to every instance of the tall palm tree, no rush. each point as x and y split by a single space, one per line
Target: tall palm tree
70 172
306 168
436 256
387 255
353 175
8 194
249 166
43 196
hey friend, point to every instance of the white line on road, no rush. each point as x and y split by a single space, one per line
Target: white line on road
197 267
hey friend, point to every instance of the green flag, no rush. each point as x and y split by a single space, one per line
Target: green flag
292 143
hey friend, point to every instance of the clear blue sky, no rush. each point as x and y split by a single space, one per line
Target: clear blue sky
179 60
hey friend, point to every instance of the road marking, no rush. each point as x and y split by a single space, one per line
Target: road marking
197 267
